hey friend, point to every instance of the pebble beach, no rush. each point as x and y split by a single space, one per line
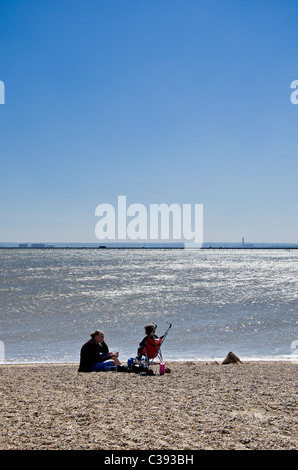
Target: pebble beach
197 406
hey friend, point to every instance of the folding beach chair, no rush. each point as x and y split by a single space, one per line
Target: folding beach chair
152 352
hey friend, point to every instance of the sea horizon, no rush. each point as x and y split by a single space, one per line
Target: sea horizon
205 245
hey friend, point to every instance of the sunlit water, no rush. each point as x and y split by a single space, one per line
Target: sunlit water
245 301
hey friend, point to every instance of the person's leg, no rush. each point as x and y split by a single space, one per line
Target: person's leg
116 360
100 366
140 353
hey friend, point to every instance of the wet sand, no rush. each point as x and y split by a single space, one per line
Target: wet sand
197 406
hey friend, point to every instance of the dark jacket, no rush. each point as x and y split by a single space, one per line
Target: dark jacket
91 353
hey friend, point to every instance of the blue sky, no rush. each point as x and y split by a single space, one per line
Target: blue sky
161 101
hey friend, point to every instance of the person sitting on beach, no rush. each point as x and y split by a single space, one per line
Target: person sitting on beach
95 355
150 333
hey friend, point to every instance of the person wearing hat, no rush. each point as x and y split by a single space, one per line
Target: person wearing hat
95 355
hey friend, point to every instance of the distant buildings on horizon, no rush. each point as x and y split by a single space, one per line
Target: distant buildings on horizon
206 245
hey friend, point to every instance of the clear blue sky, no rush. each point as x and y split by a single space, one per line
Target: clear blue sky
159 100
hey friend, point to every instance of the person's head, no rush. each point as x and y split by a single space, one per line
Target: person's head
150 329
97 336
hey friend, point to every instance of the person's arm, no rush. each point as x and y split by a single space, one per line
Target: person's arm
103 352
104 348
143 342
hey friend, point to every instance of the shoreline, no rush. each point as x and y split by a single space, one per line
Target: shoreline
199 405
172 361
290 358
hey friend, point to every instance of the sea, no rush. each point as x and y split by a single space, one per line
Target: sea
209 301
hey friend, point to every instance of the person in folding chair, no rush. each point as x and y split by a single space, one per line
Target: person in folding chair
150 348
150 333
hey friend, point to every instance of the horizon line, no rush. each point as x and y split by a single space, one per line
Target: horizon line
146 244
